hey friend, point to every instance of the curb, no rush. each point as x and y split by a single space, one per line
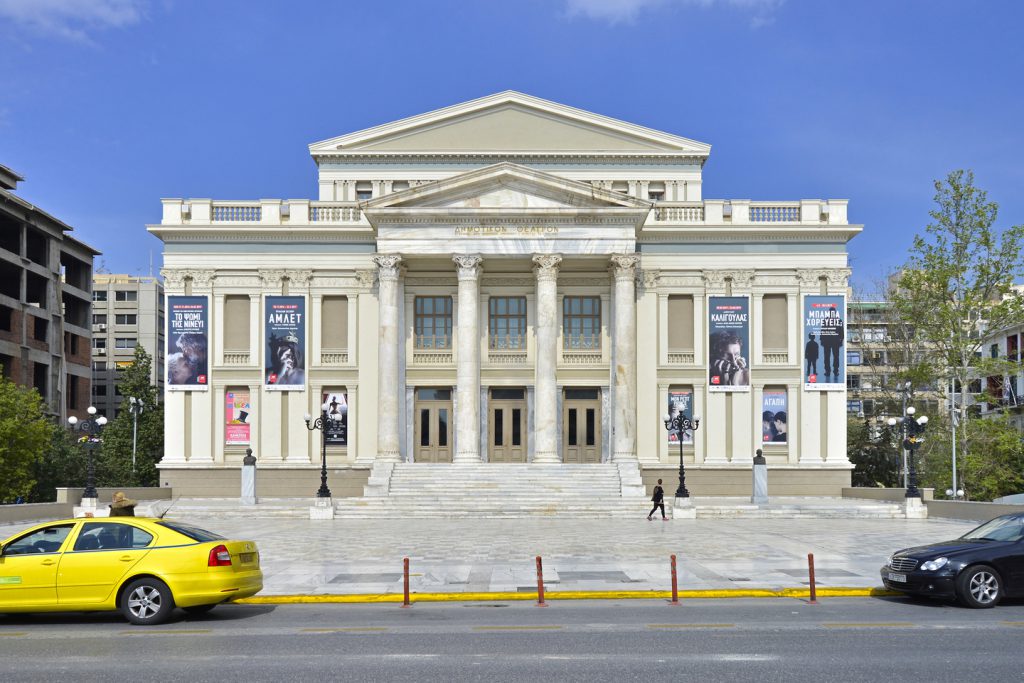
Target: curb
306 599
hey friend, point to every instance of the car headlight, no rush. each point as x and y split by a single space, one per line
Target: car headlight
888 562
932 565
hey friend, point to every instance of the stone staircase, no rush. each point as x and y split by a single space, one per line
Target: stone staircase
797 508
498 490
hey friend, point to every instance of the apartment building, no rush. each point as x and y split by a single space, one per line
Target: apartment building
45 302
127 311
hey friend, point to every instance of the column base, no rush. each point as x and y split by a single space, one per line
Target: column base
467 457
388 456
682 508
546 458
322 508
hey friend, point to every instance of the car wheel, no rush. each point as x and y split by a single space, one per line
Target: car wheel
197 610
979 587
147 601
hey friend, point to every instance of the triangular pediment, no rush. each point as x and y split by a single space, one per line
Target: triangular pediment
510 122
505 186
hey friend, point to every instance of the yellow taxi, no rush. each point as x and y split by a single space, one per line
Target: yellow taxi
142 567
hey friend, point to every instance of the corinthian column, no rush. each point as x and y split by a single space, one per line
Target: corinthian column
467 378
624 271
387 364
545 411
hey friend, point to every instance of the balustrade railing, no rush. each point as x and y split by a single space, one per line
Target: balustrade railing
333 214
774 213
679 214
681 357
775 357
237 213
333 357
236 358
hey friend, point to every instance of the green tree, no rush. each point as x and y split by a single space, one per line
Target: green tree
957 284
115 467
874 453
63 465
25 434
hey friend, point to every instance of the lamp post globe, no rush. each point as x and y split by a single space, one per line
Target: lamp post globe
680 424
91 428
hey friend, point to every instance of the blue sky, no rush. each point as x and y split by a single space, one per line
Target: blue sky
108 105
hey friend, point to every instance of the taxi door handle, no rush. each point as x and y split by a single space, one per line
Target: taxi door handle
126 558
47 563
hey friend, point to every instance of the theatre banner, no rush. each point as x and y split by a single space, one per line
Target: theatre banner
187 336
336 429
284 334
824 364
774 416
237 411
728 343
680 402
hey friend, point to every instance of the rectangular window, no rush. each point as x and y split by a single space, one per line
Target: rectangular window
99 365
334 322
236 322
581 322
126 319
99 343
507 322
40 328
99 295
774 322
433 322
853 358
853 381
99 389
124 343
99 319
680 322
126 295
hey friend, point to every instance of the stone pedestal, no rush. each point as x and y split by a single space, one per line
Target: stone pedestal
248 484
683 508
89 507
915 508
322 508
760 494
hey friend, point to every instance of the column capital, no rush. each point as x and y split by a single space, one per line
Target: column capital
388 267
623 266
468 266
299 278
271 277
547 266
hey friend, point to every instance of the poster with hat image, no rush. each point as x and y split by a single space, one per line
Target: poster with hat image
284 332
187 367
824 339
237 412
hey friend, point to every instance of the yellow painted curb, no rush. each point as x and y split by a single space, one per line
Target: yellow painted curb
833 592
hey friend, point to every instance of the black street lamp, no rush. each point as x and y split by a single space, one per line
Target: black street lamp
91 428
680 424
135 407
913 437
326 423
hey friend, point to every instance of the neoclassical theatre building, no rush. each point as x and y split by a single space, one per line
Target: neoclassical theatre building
506 280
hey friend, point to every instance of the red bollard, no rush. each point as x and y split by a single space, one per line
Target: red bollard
405 571
810 569
540 584
675 585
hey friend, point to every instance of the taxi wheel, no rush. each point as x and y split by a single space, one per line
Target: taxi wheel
198 609
147 601
979 587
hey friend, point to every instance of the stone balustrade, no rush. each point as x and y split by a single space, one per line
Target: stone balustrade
236 358
681 357
277 212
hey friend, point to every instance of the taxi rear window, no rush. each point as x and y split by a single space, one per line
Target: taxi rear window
193 532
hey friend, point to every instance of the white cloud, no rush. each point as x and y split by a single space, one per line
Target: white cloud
73 20
616 11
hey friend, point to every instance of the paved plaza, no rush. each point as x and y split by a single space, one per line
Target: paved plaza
302 556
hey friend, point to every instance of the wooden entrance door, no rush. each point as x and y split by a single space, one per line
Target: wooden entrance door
581 425
433 425
506 425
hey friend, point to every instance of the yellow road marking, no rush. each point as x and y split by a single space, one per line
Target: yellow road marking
1013 623
183 632
353 629
517 628
504 596
879 624
691 625
13 634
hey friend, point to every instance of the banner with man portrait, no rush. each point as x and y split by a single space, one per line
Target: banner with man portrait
237 417
336 429
824 359
187 341
774 416
284 347
728 343
680 402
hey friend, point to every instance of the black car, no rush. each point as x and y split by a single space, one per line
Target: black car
980 568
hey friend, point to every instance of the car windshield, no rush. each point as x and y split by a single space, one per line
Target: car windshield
998 529
193 532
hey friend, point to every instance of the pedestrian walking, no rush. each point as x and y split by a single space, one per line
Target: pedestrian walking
659 502
122 506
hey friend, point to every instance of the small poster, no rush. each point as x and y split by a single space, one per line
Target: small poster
284 329
187 343
680 403
237 417
728 343
824 335
336 429
774 417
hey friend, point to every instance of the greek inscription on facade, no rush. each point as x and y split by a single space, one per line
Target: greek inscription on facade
506 231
